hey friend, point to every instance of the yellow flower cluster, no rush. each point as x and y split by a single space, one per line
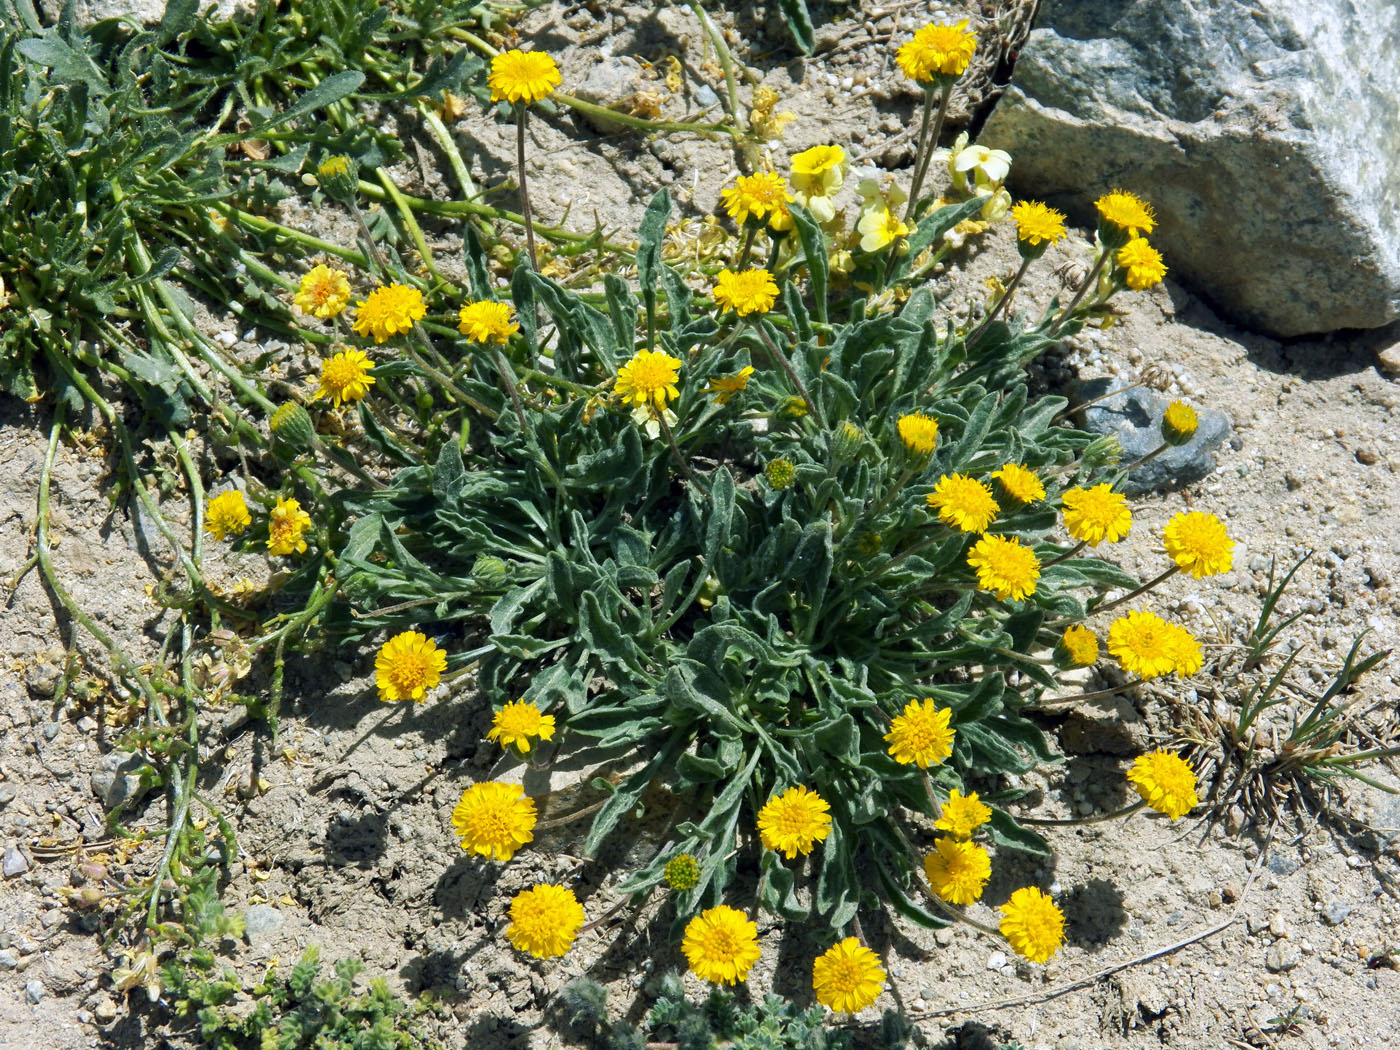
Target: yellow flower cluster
408 666
227 515
794 821
518 723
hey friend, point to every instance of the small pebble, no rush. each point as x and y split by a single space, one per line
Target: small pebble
1282 957
1335 912
13 863
8 959
996 960
1366 456
34 991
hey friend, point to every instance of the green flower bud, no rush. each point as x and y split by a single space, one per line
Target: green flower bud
339 177
682 872
489 572
780 473
1179 423
291 429
1103 451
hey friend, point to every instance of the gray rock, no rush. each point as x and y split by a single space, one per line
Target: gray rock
705 96
261 923
14 862
8 959
146 12
1282 865
50 730
34 991
613 82
1134 417
1335 912
1282 957
1105 725
1256 130
104 1011
43 679
117 781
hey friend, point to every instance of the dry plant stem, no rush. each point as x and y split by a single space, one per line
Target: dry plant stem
1069 701
1089 282
1098 818
1162 578
1001 303
675 451
927 142
569 818
782 361
503 367
521 114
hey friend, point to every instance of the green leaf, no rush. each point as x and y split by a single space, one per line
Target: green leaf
69 66
815 252
649 236
176 21
334 88
450 473
1006 832
799 22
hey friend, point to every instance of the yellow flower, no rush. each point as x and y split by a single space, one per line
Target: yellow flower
921 735
794 822
725 387
486 322
544 920
494 819
879 228
751 292
1198 543
517 722
682 872
1142 263
1080 645
227 515
1185 651
817 175
1097 514
847 977
523 76
1166 781
388 311
1004 567
963 502
957 871
285 527
919 433
937 50
649 378
721 945
1144 643
408 666
962 814
756 196
346 377
1020 483
1127 211
333 166
324 292
1036 224
1033 924
1179 423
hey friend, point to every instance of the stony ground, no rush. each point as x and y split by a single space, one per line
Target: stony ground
1179 933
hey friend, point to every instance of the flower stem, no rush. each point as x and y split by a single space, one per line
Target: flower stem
521 113
782 360
1134 593
503 367
675 451
1005 298
927 142
1089 282
1067 554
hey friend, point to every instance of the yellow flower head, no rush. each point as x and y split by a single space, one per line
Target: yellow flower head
794 822
751 292
1020 483
346 377
756 196
1004 567
389 311
227 515
1185 651
725 387
1145 644
1142 264
1097 514
408 666
937 50
523 76
847 977
879 227
1033 924
919 433
494 819
333 166
1166 781
682 872
1179 423
962 815
819 171
1198 543
517 722
1080 645
486 322
324 292
921 735
1129 212
285 527
957 871
649 378
544 920
721 945
1037 224
963 502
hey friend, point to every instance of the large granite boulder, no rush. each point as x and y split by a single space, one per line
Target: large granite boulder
1265 132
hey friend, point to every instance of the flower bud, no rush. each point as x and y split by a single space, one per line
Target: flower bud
1179 423
780 473
339 177
1077 647
489 572
291 428
848 441
682 872
1103 451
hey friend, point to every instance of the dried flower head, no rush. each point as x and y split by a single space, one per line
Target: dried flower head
957 871
962 502
725 387
1037 224
1033 924
922 735
523 76
324 292
1020 483
1127 211
937 50
721 945
756 196
389 311
227 515
544 920
1004 567
794 822
1096 514
519 722
847 977
962 815
1142 264
408 666
1198 543
752 291
1166 781
346 377
486 321
919 433
285 528
494 819
649 378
